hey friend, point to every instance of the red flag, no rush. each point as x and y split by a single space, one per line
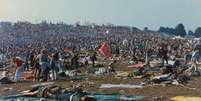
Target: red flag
105 50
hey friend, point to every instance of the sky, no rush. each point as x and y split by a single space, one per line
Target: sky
137 13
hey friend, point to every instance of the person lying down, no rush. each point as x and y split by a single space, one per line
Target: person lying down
57 93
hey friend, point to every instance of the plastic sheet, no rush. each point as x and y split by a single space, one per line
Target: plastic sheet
120 86
17 98
116 97
98 96
183 98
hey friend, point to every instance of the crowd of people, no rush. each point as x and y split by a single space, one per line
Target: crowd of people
50 48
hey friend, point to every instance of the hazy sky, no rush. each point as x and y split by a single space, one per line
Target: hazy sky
138 13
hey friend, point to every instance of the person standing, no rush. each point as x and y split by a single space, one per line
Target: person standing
44 65
93 58
163 54
195 59
26 67
19 64
55 65
74 61
37 68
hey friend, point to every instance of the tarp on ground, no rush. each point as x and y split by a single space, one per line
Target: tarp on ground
24 99
138 65
184 98
98 96
178 37
116 97
120 86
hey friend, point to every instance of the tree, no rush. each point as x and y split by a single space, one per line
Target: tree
190 32
146 29
198 32
162 29
180 30
166 30
77 23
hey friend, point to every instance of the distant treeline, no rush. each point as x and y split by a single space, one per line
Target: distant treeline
179 30
27 27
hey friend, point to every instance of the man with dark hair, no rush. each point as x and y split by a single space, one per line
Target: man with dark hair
163 54
37 68
27 56
44 65
55 65
93 58
74 61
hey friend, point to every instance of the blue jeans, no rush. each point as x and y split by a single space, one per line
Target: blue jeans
45 68
18 73
55 65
